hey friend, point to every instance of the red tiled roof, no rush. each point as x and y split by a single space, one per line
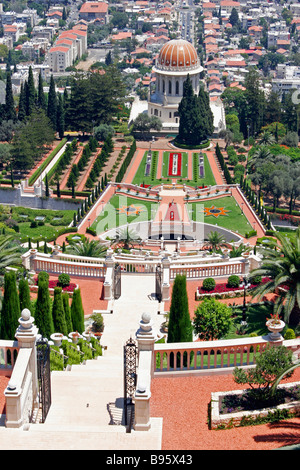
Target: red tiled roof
94 7
59 49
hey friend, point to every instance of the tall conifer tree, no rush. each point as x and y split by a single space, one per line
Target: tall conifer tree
22 104
58 313
77 313
30 93
52 103
10 112
10 312
41 99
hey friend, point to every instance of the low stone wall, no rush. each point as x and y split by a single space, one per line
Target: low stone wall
13 197
221 421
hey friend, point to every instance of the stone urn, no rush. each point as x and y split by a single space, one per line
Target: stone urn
57 338
275 327
74 335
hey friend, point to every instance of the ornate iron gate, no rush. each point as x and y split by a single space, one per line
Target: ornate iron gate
130 365
158 282
117 281
44 376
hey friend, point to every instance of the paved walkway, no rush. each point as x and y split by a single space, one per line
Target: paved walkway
87 402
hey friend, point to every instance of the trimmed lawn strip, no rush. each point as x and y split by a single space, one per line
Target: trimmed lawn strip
140 177
42 167
235 220
209 179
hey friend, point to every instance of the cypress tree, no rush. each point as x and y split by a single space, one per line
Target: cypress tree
60 125
58 313
10 112
43 317
41 99
180 326
22 104
10 312
67 310
30 93
47 186
24 294
77 313
52 103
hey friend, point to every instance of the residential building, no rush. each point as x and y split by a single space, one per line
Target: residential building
89 11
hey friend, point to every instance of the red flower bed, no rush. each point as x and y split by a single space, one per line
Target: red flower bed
171 164
54 283
223 288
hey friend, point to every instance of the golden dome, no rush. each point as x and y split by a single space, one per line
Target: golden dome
177 53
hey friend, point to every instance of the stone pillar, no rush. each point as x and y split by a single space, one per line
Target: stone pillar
109 276
17 407
146 339
33 253
166 263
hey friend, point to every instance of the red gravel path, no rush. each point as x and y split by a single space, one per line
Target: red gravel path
183 404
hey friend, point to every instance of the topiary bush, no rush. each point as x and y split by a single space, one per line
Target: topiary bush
63 280
209 284
233 281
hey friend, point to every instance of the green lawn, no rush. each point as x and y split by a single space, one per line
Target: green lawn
155 179
209 179
52 222
233 220
111 217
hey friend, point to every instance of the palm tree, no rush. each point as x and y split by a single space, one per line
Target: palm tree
86 247
215 241
9 255
266 138
236 252
281 264
126 237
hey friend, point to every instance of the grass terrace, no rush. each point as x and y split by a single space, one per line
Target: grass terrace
232 220
123 210
43 224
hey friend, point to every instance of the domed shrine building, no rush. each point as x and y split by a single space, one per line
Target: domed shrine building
176 60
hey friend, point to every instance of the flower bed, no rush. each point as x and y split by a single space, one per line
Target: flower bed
54 283
224 290
175 164
228 408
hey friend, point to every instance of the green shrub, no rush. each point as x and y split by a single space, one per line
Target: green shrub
98 322
209 284
63 280
256 280
289 334
233 281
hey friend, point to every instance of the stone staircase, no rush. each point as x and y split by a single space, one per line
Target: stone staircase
87 410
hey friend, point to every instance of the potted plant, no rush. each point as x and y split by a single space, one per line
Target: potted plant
98 324
74 335
275 326
57 338
165 324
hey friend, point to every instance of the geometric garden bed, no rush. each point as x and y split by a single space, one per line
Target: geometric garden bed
228 420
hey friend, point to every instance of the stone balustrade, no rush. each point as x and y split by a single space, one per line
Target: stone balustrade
8 354
207 357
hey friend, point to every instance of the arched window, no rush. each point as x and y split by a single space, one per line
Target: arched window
177 88
170 87
163 86
155 112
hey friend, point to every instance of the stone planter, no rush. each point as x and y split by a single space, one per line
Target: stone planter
57 338
275 328
74 335
221 421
